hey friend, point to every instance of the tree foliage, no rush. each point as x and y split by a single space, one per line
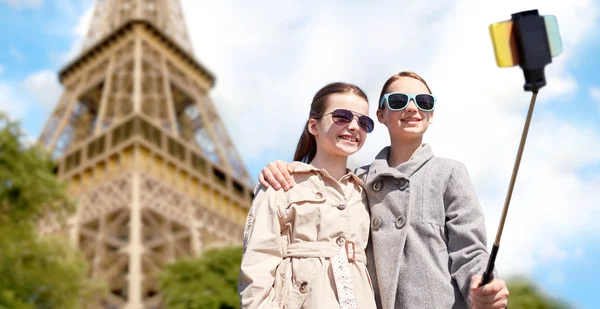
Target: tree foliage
35 272
28 186
524 294
206 282
43 272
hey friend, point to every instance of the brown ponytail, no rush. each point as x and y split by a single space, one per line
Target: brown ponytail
307 145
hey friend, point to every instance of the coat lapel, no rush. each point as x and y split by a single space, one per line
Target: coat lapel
386 261
380 167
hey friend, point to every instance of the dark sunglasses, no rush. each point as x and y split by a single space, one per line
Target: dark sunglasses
342 117
397 101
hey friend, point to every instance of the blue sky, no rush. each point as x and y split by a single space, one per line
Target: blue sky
278 60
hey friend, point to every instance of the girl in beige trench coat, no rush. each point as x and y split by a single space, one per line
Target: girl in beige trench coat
305 248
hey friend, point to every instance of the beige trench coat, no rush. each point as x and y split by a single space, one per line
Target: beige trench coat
291 237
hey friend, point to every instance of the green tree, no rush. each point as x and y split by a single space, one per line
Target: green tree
206 282
35 272
524 294
28 186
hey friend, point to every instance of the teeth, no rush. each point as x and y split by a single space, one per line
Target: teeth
350 139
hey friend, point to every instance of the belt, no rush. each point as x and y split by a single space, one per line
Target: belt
341 257
324 249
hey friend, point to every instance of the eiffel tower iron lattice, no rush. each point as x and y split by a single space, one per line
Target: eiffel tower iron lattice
144 151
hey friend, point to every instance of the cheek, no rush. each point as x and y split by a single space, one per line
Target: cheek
363 137
324 128
332 132
426 116
387 117
394 118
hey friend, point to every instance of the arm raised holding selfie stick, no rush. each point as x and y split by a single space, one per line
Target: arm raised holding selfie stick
530 41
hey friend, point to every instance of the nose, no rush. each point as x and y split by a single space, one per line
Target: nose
412 106
353 125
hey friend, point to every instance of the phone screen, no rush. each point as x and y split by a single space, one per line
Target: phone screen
504 43
505 47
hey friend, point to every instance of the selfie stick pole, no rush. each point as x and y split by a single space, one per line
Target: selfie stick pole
488 274
529 40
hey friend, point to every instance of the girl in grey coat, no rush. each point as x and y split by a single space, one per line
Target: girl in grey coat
428 238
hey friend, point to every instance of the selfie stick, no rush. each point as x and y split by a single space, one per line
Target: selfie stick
529 40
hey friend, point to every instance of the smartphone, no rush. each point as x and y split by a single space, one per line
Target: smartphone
505 45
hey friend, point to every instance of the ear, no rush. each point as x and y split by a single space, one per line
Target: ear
380 116
312 127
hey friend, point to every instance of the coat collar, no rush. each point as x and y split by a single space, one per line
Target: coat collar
307 168
380 166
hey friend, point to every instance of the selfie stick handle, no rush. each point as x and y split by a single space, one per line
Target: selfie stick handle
488 275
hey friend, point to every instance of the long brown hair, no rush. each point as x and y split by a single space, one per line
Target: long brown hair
307 145
395 77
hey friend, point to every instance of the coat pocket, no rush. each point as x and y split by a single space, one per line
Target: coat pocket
302 211
433 216
432 209
282 282
304 193
304 272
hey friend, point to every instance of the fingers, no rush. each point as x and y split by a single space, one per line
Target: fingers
278 174
475 282
262 180
285 171
490 299
492 288
278 168
490 296
269 178
500 303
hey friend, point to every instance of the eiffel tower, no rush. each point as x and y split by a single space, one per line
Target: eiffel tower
145 155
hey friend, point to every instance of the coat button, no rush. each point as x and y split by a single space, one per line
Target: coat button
377 185
341 205
402 184
319 195
304 287
340 241
376 223
400 222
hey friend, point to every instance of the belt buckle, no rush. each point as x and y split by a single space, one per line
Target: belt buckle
350 251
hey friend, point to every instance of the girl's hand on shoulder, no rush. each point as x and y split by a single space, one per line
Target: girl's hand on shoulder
278 174
493 295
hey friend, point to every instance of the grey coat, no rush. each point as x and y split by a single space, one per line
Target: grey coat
428 236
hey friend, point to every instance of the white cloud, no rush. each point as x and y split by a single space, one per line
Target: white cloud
78 33
579 252
15 53
44 88
10 102
24 3
270 62
40 89
594 93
